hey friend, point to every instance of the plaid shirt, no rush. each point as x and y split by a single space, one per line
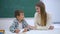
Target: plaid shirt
15 25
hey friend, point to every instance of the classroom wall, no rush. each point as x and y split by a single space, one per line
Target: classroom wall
8 7
53 7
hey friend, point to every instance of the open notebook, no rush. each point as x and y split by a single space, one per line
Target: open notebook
21 32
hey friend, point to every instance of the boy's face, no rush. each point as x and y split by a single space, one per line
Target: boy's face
21 17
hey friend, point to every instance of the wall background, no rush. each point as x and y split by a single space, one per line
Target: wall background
53 7
8 7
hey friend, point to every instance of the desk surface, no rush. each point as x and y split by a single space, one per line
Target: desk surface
55 31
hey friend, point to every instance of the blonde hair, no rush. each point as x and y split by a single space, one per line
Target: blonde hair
43 13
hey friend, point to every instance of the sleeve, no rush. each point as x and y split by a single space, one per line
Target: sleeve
12 28
26 25
35 19
49 20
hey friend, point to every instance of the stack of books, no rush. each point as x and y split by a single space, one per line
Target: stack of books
2 31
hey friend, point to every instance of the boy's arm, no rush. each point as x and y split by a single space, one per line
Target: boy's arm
12 28
25 23
29 27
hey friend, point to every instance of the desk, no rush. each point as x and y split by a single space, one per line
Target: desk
55 31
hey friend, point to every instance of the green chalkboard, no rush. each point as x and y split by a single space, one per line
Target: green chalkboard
8 7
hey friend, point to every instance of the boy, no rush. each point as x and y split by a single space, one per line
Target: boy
19 23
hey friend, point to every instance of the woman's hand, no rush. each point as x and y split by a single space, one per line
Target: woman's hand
17 31
51 27
32 27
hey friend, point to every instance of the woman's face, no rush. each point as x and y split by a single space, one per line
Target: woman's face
37 9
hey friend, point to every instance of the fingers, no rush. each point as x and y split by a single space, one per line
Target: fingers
51 27
17 31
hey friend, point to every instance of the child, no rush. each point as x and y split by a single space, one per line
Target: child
19 23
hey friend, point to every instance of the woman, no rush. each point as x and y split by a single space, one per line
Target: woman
42 19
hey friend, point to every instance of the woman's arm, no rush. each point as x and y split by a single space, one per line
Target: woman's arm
49 22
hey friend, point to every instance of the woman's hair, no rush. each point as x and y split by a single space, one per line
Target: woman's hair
43 13
17 12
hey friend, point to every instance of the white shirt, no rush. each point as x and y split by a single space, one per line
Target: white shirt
20 26
37 19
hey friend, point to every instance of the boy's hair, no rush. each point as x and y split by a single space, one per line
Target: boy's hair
17 12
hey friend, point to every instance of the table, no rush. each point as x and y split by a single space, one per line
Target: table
55 31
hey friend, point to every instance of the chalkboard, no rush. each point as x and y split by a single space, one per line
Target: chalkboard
8 7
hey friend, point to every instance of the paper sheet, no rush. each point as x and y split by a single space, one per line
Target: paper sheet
21 32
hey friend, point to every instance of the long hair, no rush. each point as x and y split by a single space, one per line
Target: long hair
43 13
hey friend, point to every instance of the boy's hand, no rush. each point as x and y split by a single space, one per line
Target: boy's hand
25 30
17 31
51 27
